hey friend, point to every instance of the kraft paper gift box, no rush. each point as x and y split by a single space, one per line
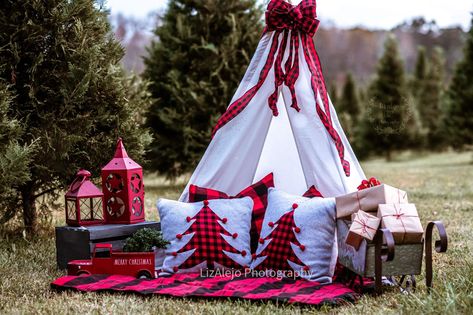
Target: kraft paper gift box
364 226
369 199
403 222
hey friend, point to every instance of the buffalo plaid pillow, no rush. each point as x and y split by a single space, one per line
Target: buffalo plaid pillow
258 192
211 234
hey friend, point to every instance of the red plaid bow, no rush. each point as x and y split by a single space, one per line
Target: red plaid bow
282 15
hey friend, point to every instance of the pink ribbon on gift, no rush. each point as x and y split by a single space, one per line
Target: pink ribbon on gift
365 227
399 216
399 195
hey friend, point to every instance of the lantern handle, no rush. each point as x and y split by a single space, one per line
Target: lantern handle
82 176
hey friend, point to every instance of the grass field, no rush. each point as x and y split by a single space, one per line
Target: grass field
441 185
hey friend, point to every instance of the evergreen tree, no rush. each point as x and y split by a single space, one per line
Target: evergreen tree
194 68
349 101
429 98
14 158
420 72
70 95
333 92
459 113
384 126
349 108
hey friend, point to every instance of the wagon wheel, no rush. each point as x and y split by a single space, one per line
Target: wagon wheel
407 283
144 274
83 274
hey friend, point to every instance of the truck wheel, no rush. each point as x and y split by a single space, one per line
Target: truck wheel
144 275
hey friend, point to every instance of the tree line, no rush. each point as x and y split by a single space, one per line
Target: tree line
202 51
65 98
399 110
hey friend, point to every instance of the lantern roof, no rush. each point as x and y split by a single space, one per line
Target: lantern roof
82 187
121 160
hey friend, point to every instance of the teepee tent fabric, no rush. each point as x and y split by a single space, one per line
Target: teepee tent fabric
281 119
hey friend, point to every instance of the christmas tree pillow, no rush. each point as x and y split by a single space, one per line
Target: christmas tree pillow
298 237
211 234
258 192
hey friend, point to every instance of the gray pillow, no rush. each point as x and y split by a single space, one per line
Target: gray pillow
298 237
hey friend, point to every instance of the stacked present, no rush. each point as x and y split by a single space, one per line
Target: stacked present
376 205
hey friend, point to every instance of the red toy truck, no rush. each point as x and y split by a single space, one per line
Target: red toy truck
106 261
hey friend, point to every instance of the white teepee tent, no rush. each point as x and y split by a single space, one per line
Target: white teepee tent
298 136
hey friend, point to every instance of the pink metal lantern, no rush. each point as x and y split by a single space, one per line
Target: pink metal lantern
122 184
84 202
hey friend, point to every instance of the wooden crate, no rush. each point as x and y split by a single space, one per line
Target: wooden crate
407 259
79 242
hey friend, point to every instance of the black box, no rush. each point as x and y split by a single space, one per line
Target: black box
78 242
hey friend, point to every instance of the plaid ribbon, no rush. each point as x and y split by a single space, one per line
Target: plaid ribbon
294 22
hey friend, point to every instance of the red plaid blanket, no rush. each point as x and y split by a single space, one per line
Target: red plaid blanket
286 290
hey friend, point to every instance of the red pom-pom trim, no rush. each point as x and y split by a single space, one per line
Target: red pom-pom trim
254 256
261 241
306 268
297 229
206 203
224 220
188 219
174 254
302 247
175 269
235 235
271 224
178 236
294 206
243 253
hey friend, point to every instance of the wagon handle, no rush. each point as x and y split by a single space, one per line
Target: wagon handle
440 247
382 255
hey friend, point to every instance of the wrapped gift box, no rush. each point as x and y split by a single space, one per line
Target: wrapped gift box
403 222
369 199
364 226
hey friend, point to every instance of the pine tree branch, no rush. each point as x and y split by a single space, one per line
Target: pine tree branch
47 191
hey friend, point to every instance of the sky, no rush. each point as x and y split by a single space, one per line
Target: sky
347 13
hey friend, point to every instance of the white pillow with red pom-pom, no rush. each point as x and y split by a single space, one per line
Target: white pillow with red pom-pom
298 237
213 234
